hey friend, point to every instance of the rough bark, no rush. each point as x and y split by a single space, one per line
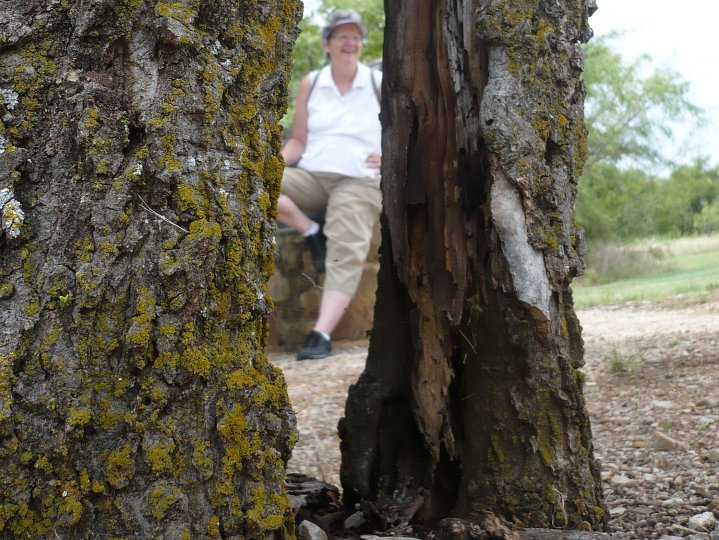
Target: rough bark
139 173
471 400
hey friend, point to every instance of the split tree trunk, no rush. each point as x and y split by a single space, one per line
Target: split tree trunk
139 172
472 398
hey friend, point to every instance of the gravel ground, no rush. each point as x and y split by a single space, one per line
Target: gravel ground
653 396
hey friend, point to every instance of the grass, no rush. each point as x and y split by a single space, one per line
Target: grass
652 270
619 361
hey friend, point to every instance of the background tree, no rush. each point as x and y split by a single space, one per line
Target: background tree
690 196
617 204
632 113
140 169
471 400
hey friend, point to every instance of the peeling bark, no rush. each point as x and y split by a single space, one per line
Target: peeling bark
525 263
471 400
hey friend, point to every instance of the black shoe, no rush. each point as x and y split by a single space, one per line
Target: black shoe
316 346
317 244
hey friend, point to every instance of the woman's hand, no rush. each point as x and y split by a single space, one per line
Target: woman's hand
374 161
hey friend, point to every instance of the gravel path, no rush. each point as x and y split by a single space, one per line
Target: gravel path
653 395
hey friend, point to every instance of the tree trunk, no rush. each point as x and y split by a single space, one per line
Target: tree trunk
471 399
140 169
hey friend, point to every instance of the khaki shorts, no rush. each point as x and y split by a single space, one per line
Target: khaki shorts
351 206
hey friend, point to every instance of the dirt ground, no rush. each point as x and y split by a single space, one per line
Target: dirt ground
653 396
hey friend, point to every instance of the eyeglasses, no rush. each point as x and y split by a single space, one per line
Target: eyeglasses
348 39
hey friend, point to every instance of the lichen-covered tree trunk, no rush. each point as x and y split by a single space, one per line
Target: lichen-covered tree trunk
472 399
139 169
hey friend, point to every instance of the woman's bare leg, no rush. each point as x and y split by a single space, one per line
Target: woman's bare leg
332 307
290 214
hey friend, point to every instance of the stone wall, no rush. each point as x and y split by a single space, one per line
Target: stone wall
296 290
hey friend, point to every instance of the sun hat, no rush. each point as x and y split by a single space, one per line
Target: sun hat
344 16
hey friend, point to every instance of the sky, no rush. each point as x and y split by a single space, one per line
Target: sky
683 35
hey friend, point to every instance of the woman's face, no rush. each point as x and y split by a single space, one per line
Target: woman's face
344 43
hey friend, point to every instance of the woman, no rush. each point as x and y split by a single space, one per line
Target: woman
336 145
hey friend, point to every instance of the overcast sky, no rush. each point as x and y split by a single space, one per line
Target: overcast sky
683 35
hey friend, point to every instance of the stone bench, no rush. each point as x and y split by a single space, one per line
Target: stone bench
295 289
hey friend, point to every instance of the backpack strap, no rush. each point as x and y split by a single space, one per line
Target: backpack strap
314 83
374 86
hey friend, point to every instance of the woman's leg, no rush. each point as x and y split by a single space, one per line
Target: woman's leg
290 214
332 307
353 210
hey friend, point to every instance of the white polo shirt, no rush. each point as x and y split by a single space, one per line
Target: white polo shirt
342 130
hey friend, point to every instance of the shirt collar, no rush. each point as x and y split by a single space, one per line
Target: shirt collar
360 80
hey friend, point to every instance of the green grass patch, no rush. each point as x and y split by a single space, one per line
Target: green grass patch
649 270
622 362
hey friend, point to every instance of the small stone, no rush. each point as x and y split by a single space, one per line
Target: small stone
355 520
617 511
662 404
309 531
662 441
668 537
702 522
678 480
622 481
707 402
674 501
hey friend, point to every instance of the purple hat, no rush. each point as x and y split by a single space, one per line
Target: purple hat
343 16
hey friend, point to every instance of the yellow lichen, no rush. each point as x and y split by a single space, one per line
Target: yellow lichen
33 306
92 118
195 361
160 501
43 464
140 332
201 457
6 289
160 457
179 11
213 527
78 417
120 466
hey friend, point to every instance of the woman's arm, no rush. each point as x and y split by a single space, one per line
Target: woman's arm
295 146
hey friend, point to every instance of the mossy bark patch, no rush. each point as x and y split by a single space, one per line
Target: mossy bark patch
142 143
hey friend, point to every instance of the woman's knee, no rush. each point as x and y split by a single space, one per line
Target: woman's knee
283 201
